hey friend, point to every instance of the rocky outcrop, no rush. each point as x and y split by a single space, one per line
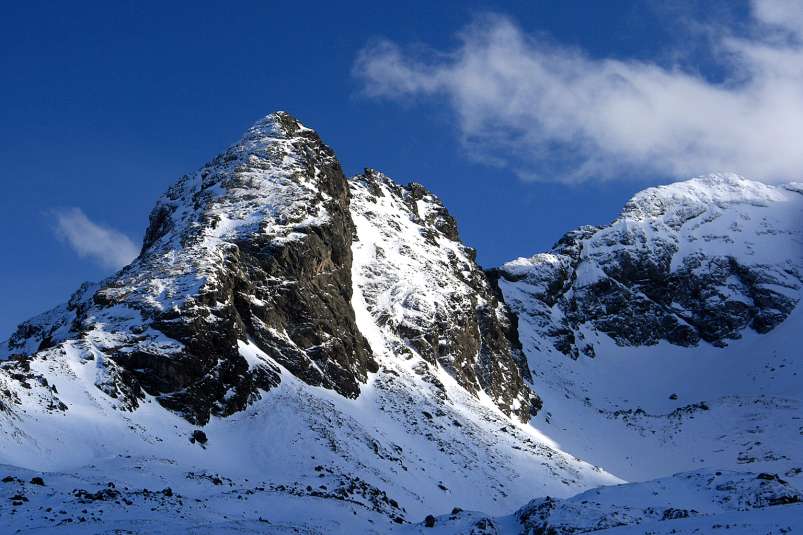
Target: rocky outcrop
700 260
428 296
256 245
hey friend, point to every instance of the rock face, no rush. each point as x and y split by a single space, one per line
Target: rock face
255 245
700 260
424 289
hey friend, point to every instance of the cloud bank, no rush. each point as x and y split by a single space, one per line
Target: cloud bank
108 247
553 113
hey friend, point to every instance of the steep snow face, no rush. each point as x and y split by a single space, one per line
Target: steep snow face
633 303
698 260
255 245
426 298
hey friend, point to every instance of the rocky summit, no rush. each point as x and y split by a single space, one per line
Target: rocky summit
294 350
256 245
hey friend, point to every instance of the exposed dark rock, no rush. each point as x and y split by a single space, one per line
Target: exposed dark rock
674 514
199 437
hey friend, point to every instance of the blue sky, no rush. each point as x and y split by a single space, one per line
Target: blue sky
105 104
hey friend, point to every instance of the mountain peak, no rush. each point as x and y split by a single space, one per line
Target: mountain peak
688 197
276 124
272 174
256 245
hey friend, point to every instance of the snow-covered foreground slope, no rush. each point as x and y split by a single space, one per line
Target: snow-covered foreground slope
296 351
405 448
703 501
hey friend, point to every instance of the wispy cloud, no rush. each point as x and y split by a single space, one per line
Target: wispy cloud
108 247
551 112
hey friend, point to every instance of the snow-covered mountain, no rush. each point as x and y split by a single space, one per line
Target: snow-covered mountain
700 260
674 329
295 350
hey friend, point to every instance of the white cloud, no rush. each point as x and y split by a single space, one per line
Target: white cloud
786 14
110 248
554 113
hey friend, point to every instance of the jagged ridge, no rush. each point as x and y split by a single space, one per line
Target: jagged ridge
429 297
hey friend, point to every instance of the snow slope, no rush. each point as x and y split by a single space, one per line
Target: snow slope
401 440
703 501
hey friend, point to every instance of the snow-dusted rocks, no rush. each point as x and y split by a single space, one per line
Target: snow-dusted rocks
427 297
700 260
697 495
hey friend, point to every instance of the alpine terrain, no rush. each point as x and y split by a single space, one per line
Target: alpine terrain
298 351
